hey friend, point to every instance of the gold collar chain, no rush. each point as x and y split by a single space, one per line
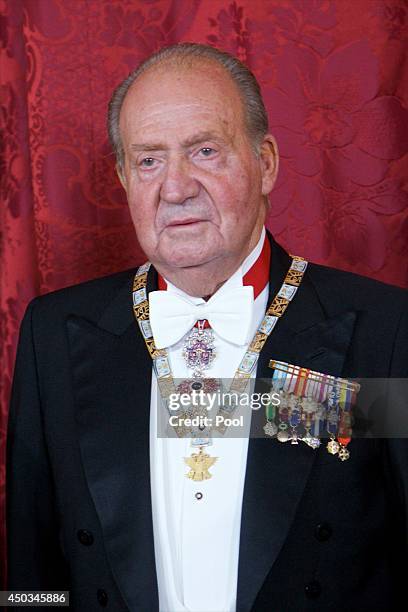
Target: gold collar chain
199 463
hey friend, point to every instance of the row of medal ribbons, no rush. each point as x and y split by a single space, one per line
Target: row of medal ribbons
311 406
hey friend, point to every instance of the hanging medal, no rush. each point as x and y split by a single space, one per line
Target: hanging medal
286 405
278 379
332 416
295 418
344 433
199 351
310 410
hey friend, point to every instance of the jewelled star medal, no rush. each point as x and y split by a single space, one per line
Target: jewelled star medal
199 351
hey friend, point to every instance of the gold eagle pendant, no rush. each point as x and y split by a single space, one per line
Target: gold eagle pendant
199 464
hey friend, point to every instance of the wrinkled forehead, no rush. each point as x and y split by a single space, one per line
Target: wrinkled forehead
170 94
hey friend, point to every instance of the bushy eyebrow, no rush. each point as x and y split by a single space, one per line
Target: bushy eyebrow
189 142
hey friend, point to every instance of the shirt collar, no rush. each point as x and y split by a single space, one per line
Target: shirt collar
235 280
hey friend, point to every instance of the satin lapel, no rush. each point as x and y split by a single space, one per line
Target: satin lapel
277 473
112 378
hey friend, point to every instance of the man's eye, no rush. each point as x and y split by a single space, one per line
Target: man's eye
147 162
206 151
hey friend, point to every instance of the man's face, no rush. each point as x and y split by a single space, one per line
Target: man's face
194 184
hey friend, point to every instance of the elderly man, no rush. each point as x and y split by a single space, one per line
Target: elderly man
98 503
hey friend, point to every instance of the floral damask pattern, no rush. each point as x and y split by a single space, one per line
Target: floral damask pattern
334 80
339 135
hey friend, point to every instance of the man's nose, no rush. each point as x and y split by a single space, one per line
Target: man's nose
178 183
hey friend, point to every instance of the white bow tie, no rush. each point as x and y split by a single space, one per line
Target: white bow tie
229 314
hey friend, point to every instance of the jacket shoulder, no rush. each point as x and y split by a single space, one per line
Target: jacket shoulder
87 299
349 290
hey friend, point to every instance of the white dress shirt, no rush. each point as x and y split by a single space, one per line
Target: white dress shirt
197 540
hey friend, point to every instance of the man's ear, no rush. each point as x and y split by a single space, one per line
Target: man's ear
269 158
119 171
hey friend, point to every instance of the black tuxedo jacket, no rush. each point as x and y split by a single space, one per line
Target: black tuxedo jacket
316 533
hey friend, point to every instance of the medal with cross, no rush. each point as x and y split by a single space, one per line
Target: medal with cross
199 351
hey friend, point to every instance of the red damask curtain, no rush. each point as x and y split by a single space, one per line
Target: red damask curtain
334 77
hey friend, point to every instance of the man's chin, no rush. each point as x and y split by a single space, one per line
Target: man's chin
183 262
188 253
185 258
